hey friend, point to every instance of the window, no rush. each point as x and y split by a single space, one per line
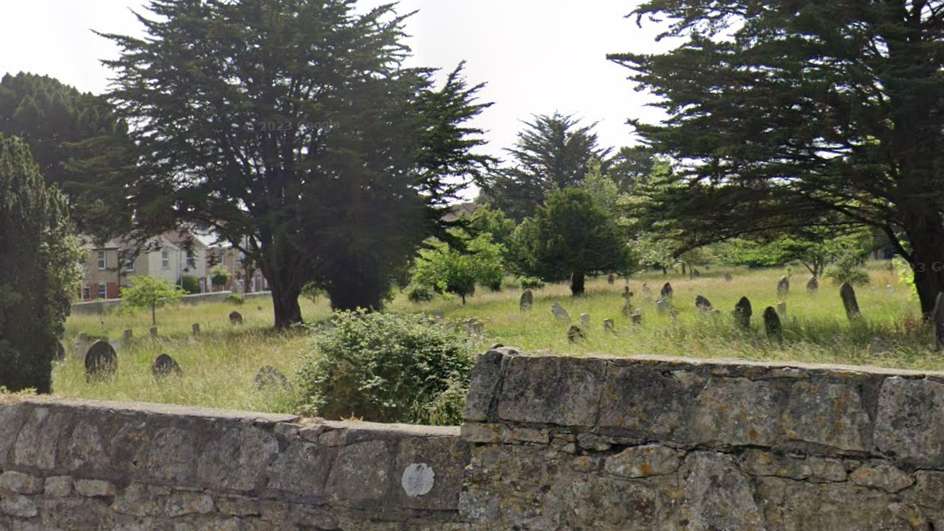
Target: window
129 266
86 293
102 261
219 256
165 260
103 291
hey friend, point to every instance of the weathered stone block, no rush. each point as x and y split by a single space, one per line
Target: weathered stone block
58 487
93 487
830 414
238 459
139 500
362 474
19 506
910 424
929 489
735 411
552 390
881 475
718 495
38 440
172 455
429 472
639 401
12 418
19 483
483 386
643 462
302 469
181 503
85 448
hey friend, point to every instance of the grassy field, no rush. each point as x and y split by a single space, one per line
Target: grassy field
218 366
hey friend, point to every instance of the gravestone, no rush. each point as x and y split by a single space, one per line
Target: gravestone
116 344
647 292
439 315
81 348
560 313
608 325
889 289
611 279
101 362
937 319
782 310
812 285
703 304
83 337
849 301
60 351
696 273
196 329
127 336
772 324
637 319
153 331
235 318
269 378
527 300
627 302
574 334
728 277
474 328
663 304
666 291
164 365
783 286
585 320
743 313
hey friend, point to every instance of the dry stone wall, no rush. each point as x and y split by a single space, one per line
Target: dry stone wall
549 443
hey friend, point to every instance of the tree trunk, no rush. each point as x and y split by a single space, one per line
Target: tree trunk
153 316
463 299
285 301
683 269
577 281
926 234
665 271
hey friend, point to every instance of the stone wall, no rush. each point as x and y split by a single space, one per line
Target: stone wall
550 443
105 306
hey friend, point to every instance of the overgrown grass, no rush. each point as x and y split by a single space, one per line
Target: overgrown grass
219 365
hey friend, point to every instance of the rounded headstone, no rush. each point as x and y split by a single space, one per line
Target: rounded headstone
608 325
611 279
812 284
527 300
666 291
268 377
574 334
637 319
164 365
101 361
728 277
772 324
235 318
743 312
783 286
153 331
849 301
196 329
703 304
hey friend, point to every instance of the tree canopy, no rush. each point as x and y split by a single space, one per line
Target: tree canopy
786 114
292 128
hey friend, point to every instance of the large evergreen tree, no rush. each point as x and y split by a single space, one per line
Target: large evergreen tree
553 152
784 113
292 128
78 144
38 270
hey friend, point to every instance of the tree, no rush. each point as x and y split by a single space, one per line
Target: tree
151 293
813 248
553 152
219 276
78 144
38 271
571 237
782 115
291 128
450 270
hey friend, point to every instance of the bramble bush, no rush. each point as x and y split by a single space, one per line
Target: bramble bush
388 368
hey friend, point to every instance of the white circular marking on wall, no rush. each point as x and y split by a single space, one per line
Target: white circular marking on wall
418 480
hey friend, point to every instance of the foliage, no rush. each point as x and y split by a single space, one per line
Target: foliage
419 293
236 298
814 248
151 293
38 273
849 267
489 220
219 276
387 368
313 292
295 129
530 283
552 152
190 284
571 237
631 166
78 144
807 114
450 270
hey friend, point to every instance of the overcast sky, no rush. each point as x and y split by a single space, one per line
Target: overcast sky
536 56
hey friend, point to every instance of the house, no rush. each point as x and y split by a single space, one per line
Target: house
234 261
116 263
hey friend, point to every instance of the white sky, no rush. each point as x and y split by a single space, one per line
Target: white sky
536 56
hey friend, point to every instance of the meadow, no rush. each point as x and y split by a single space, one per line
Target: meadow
219 365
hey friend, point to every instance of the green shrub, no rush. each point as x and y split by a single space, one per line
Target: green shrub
388 368
531 283
419 293
190 284
235 298
219 276
849 268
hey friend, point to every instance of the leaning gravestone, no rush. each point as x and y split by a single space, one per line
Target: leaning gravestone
269 378
236 318
560 313
527 300
574 334
812 285
608 325
666 291
101 362
743 312
772 324
728 277
164 365
849 301
782 310
937 319
783 286
703 304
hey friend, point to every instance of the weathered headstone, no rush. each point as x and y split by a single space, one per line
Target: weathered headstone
80 348
782 310
127 336
574 334
627 302
60 351
235 318
663 304
637 319
849 301
812 285
164 365
269 378
83 337
783 286
585 320
666 291
937 319
527 300
647 292
772 324
696 273
101 362
153 331
439 315
743 313
703 304
611 279
474 328
608 325
728 277
195 328
560 313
